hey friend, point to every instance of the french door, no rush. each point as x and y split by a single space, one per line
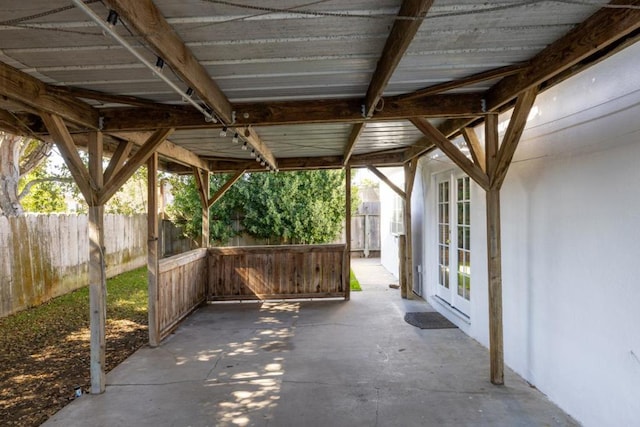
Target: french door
454 241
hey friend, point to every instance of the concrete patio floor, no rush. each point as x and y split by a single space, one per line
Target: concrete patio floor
319 363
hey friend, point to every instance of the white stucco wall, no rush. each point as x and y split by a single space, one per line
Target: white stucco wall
389 240
570 241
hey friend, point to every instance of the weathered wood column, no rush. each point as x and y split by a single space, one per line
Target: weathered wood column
402 272
346 264
203 185
494 256
407 263
204 242
97 273
152 249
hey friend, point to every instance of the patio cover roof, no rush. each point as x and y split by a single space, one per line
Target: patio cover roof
306 84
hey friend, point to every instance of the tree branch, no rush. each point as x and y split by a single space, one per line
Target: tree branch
31 160
27 188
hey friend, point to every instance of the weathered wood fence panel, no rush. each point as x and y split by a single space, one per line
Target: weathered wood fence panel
182 287
44 256
276 272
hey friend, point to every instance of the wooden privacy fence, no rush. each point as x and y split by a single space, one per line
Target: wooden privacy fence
44 256
182 286
276 272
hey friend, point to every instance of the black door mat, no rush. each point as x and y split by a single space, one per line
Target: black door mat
428 320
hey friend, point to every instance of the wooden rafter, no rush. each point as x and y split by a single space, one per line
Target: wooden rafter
466 81
227 185
252 137
601 29
28 90
512 136
295 112
149 23
419 148
117 160
167 149
476 150
66 146
596 33
137 160
377 172
356 131
106 97
385 158
202 184
452 152
397 43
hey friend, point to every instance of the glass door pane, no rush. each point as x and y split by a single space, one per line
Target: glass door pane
443 240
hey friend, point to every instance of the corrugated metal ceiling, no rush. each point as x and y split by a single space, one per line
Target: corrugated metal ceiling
257 55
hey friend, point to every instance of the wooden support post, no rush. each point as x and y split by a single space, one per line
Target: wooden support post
204 243
494 267
409 178
402 272
152 249
346 268
97 273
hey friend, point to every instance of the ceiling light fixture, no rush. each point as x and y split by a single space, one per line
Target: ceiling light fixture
223 131
112 19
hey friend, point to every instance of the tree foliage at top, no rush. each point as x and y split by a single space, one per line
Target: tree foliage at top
287 207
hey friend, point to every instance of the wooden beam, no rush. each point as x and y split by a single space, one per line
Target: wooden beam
149 23
512 137
69 153
95 95
30 91
227 185
491 143
203 184
117 160
140 157
167 149
496 73
356 131
419 148
377 172
397 43
494 268
346 261
385 158
452 152
595 33
97 273
402 272
294 112
476 150
200 186
256 142
603 29
410 169
152 250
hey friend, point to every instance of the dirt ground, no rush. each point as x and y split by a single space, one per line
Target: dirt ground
41 366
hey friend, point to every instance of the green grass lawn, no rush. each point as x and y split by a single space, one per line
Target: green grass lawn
355 285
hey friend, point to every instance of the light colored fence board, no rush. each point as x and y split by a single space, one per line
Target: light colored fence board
182 287
276 272
44 256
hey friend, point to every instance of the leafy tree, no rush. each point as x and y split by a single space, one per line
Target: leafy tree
29 181
287 207
40 191
186 208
